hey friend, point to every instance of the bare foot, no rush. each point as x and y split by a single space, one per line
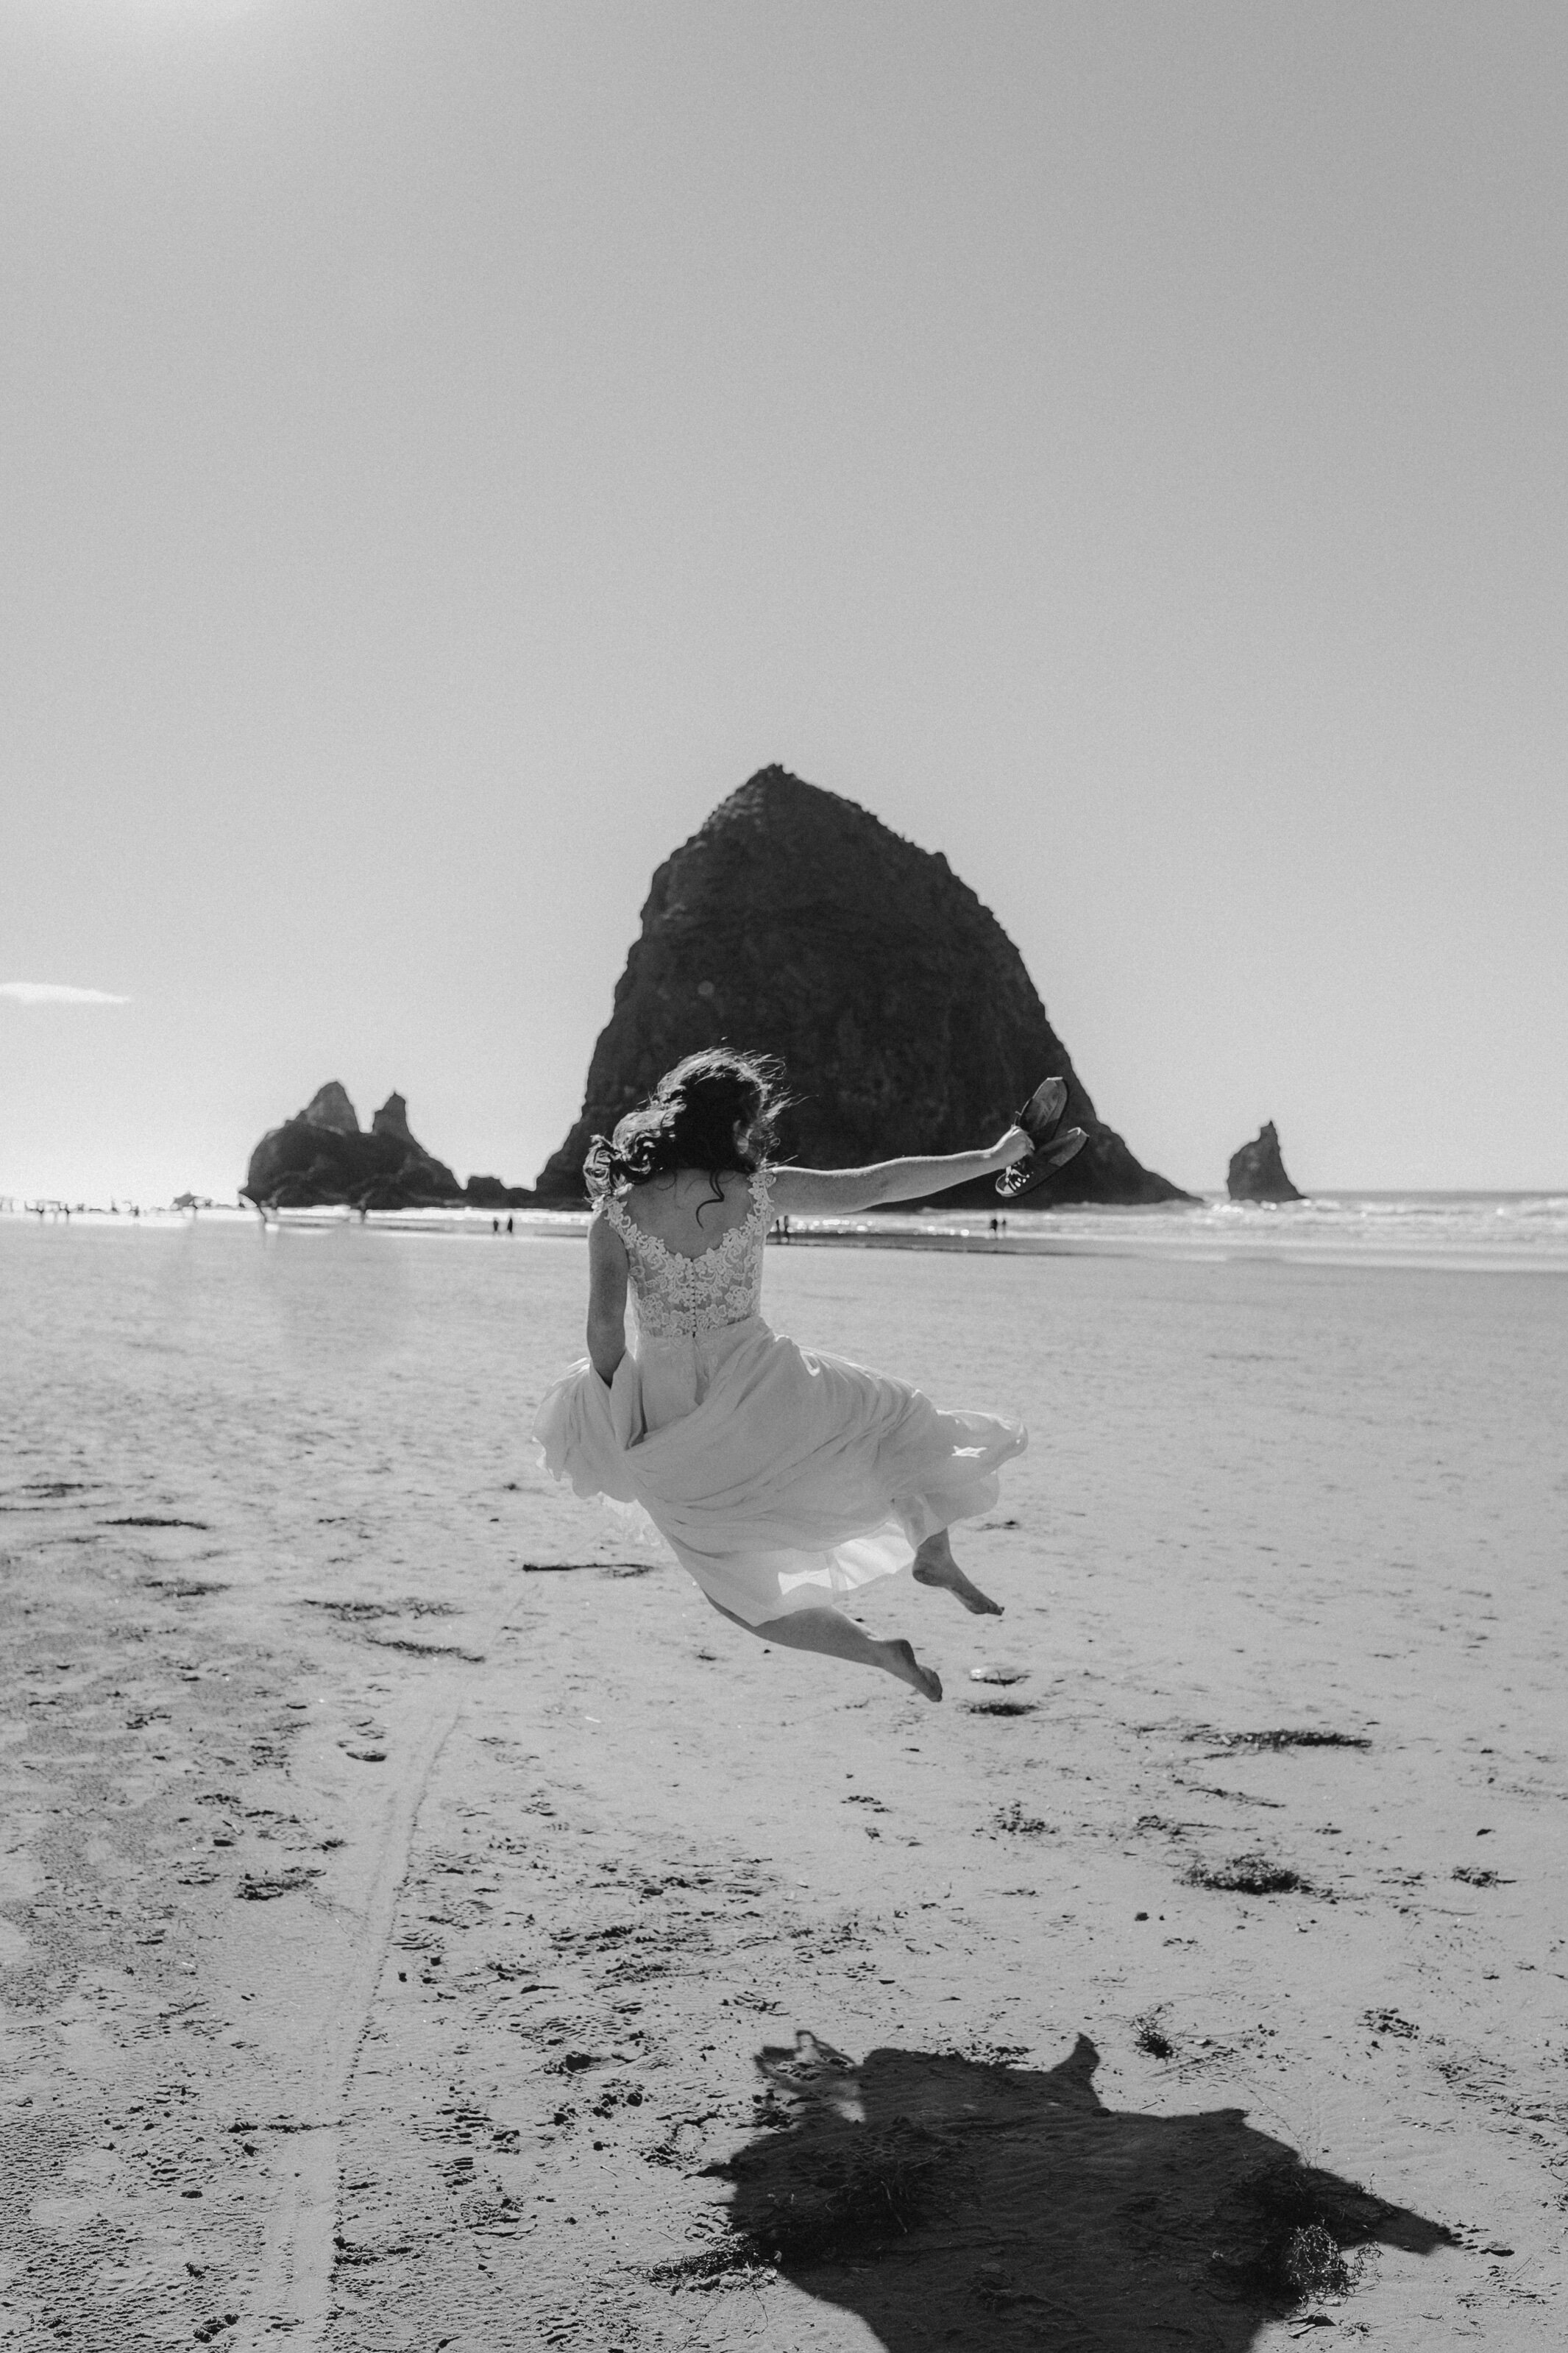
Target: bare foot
938 1567
898 1658
979 1605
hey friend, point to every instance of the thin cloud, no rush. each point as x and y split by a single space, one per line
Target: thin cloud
49 992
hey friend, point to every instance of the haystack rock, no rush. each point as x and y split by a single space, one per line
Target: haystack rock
322 1155
795 924
1257 1173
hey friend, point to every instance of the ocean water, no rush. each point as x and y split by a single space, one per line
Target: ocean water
1502 1231
1497 1230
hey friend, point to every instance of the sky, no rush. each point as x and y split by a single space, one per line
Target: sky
449 448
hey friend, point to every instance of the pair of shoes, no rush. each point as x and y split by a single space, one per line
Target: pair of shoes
1054 1146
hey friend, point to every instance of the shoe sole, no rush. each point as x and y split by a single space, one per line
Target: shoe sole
1030 1172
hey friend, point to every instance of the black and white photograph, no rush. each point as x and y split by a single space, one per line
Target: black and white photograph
784 1176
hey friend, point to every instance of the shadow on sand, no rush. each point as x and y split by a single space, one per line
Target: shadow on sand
952 2204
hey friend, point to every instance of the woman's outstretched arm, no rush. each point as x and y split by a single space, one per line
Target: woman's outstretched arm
838 1192
606 1298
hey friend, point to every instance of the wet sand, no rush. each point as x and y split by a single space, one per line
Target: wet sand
414 1903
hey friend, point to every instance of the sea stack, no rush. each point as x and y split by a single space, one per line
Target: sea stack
795 924
330 1107
322 1157
1257 1173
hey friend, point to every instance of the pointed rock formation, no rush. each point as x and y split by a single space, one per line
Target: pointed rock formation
392 1120
797 923
1257 1173
322 1155
330 1107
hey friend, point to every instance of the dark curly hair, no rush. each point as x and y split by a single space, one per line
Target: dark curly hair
689 1122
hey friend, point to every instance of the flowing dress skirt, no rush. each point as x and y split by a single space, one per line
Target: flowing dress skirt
783 1479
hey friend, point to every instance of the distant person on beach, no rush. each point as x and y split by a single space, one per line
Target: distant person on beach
783 1480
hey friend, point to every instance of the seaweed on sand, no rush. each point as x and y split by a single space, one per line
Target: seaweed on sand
427 1649
353 1609
1289 2229
1388 2021
1249 1874
154 1520
1284 1736
264 1887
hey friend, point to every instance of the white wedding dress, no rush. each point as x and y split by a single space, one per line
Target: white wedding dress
780 1478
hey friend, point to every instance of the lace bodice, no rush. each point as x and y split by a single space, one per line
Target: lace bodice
677 1296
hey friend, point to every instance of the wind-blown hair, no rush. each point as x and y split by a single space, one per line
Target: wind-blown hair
689 1122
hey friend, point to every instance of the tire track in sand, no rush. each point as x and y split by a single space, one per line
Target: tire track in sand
292 2289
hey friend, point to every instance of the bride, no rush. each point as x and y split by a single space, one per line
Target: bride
783 1478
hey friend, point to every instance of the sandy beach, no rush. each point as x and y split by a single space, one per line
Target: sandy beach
427 1925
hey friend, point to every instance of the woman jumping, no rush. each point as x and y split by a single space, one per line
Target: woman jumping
783 1479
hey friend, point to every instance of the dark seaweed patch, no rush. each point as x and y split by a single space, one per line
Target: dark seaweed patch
570 1567
1304 1736
353 1608
1302 2222
152 1520
1388 2021
1249 1874
262 1887
429 1650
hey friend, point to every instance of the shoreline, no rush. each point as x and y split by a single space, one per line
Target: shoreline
1518 1233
